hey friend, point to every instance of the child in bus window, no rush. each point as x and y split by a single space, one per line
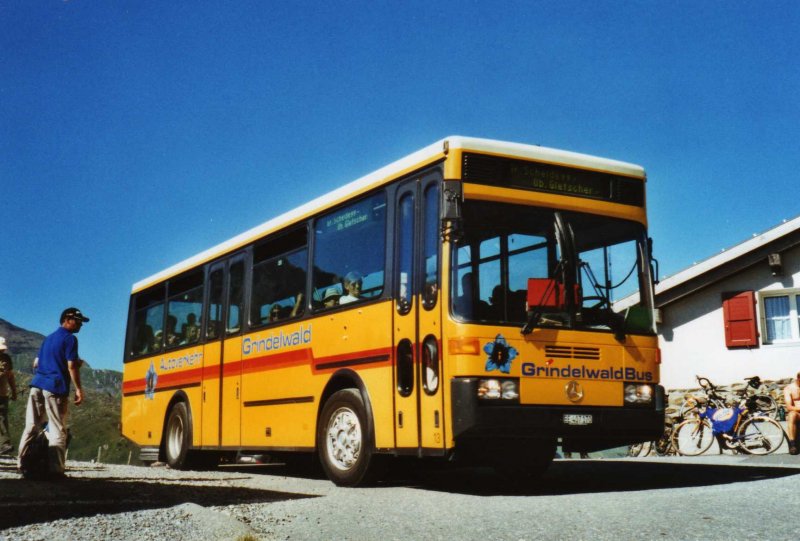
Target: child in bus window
275 312
331 297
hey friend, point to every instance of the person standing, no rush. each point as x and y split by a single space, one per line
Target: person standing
58 365
7 384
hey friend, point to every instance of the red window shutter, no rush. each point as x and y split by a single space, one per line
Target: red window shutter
739 311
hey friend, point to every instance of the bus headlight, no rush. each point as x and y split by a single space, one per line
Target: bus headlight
638 394
498 389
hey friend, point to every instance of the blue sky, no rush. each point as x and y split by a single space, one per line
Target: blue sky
136 134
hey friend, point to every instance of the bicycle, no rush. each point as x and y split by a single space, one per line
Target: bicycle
663 446
734 428
694 405
757 403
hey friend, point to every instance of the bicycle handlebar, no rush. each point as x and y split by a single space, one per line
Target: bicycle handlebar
754 382
705 383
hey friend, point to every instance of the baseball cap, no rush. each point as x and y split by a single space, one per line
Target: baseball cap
73 313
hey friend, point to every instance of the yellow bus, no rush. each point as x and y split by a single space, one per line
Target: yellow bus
457 303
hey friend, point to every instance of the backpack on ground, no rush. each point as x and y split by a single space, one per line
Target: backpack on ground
35 463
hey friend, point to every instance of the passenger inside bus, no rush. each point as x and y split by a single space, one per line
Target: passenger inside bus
506 305
172 334
144 339
157 341
331 297
352 285
463 304
298 305
275 312
190 330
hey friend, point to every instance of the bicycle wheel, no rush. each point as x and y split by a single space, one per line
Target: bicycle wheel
692 437
663 445
763 406
760 436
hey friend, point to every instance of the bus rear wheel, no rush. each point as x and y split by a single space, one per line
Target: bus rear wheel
345 451
178 437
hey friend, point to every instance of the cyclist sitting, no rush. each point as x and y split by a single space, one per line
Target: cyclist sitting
791 396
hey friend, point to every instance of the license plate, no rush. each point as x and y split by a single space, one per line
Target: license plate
577 419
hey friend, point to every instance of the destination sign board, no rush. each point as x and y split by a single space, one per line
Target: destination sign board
556 179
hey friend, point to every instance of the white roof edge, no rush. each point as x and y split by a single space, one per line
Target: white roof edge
545 154
717 260
729 254
454 142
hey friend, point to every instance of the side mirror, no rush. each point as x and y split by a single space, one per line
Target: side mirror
452 198
653 261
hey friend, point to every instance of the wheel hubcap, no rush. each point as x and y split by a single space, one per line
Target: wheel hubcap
175 439
344 439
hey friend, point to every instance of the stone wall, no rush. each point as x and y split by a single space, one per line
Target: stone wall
677 396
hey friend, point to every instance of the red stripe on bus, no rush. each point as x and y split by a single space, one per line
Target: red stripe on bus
298 357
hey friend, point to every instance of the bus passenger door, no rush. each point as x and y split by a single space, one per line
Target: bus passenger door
212 356
419 401
222 368
231 403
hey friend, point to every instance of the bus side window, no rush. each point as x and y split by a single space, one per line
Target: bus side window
148 322
185 301
279 278
431 247
350 251
214 308
235 298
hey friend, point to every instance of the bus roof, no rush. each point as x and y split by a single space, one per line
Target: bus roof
421 158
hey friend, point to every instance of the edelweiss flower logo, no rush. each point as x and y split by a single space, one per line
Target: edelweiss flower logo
500 355
150 379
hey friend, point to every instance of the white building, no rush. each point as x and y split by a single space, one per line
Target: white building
733 315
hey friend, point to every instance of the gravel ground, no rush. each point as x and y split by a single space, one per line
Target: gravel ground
100 502
723 497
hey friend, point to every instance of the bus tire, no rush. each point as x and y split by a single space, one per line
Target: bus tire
345 452
177 438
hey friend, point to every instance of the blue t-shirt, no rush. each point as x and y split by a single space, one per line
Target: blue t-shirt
52 373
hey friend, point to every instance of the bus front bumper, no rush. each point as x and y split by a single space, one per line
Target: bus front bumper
475 421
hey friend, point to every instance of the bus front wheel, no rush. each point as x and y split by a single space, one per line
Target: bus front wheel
177 438
345 451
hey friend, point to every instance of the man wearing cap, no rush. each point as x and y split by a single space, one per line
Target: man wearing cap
7 383
58 364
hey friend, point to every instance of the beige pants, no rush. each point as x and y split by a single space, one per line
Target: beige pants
45 406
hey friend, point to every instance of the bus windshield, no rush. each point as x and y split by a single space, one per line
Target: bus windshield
516 265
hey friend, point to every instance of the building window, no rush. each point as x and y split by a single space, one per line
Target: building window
780 316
